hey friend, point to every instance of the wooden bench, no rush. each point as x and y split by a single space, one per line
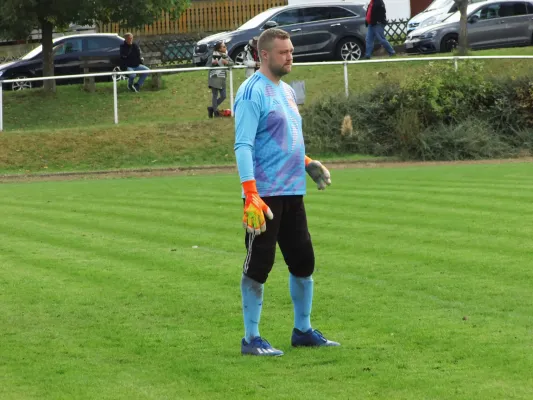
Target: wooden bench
92 62
151 59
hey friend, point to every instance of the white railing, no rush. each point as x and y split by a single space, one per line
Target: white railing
455 59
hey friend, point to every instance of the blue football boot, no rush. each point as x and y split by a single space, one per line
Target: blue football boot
312 338
259 347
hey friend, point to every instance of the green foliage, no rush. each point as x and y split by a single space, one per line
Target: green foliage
438 114
19 17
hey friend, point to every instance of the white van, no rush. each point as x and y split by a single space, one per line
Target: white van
436 12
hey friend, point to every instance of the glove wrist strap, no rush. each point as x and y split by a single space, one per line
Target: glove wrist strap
249 187
307 160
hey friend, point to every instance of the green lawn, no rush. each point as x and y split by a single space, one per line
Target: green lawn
74 131
185 96
423 274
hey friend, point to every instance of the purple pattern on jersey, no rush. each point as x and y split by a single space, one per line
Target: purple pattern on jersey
277 126
290 174
270 91
260 175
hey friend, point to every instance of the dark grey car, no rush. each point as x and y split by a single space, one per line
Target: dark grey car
491 24
318 32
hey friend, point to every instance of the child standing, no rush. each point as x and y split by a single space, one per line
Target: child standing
217 77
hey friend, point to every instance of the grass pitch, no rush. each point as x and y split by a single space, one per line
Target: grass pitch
129 289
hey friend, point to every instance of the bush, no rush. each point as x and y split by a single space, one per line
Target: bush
438 115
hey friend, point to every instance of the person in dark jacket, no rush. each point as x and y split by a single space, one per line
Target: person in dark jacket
131 60
376 19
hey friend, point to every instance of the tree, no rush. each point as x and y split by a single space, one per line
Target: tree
462 5
19 17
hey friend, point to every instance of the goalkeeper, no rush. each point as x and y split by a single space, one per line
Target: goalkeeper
271 160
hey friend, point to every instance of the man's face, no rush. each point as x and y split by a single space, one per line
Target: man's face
129 39
279 59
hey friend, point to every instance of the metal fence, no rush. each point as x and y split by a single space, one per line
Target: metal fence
396 31
9 58
174 50
117 75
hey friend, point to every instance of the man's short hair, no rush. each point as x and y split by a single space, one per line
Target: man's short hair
129 34
267 38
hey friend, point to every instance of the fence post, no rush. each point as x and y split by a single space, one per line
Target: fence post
1 109
231 90
115 97
456 64
346 79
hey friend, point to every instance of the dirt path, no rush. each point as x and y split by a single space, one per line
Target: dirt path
153 172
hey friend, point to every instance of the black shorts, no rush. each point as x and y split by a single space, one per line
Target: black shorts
289 230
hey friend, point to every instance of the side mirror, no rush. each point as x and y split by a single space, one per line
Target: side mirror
473 19
270 24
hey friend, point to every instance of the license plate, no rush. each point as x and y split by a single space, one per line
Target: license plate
408 45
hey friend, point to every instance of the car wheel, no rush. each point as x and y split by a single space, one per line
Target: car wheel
22 85
449 43
238 56
350 49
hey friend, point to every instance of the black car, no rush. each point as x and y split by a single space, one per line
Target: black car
68 58
318 32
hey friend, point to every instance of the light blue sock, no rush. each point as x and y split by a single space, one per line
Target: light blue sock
252 302
302 299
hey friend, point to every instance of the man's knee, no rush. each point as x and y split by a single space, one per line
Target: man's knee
259 262
301 259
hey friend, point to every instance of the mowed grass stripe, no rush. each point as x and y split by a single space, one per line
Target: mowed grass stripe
453 200
393 295
167 225
101 260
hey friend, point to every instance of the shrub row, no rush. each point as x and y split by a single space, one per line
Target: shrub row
441 114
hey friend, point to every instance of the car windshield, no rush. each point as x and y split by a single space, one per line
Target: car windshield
33 53
456 17
437 4
258 19
38 50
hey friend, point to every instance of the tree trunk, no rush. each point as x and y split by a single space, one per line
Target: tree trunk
463 31
48 56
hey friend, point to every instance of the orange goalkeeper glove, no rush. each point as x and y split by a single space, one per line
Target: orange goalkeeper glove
255 209
318 173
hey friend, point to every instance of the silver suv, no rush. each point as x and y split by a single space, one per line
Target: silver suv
491 24
332 30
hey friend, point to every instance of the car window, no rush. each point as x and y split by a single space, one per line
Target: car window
96 43
339 12
68 46
529 8
289 17
455 8
489 12
312 14
513 9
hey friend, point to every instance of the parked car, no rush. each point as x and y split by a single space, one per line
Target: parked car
67 53
333 30
491 24
435 13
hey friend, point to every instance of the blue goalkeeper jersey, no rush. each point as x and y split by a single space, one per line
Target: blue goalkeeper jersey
269 144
